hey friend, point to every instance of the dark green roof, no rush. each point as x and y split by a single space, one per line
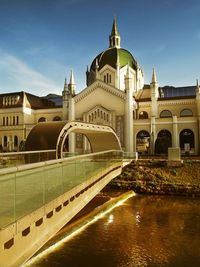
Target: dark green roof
110 55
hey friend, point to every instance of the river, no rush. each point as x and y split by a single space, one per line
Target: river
143 231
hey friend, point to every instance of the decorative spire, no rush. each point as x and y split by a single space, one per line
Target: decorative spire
197 86
154 79
71 81
114 36
96 64
114 28
71 85
65 85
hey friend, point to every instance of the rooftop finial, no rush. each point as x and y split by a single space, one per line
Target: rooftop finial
71 81
72 85
114 36
65 84
114 27
154 79
96 64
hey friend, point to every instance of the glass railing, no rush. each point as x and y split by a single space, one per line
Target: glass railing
26 188
11 159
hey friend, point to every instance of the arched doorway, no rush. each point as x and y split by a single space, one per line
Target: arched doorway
163 141
187 143
143 142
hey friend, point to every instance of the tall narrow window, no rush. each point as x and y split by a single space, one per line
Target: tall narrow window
15 141
5 141
17 120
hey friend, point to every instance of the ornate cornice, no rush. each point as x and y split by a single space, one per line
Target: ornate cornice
177 102
99 84
144 104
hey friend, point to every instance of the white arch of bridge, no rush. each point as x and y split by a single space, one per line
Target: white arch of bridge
52 135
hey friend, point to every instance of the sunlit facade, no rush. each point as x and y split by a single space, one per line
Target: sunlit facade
146 117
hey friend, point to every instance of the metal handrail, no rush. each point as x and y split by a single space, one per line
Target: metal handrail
51 162
25 152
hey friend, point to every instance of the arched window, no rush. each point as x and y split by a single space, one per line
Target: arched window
42 119
165 114
3 121
186 113
17 118
57 118
143 115
6 120
13 120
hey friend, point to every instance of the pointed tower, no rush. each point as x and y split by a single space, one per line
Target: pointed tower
71 116
65 100
87 76
198 108
154 109
198 98
72 85
197 87
154 94
97 75
114 36
129 111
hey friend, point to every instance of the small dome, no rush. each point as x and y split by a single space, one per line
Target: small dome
109 57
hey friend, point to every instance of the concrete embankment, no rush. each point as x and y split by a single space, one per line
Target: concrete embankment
155 177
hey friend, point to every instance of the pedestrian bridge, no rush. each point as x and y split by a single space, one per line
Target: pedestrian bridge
38 199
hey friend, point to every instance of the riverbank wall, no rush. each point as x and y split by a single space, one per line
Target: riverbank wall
153 176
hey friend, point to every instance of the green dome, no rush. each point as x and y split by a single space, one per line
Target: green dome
110 55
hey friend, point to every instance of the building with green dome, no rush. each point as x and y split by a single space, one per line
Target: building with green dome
148 118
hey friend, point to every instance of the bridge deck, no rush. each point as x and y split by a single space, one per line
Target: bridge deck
26 188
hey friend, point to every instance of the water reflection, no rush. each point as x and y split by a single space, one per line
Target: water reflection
145 231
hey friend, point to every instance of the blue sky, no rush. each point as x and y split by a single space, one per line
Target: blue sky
42 40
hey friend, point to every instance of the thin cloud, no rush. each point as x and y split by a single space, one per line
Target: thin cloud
18 75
